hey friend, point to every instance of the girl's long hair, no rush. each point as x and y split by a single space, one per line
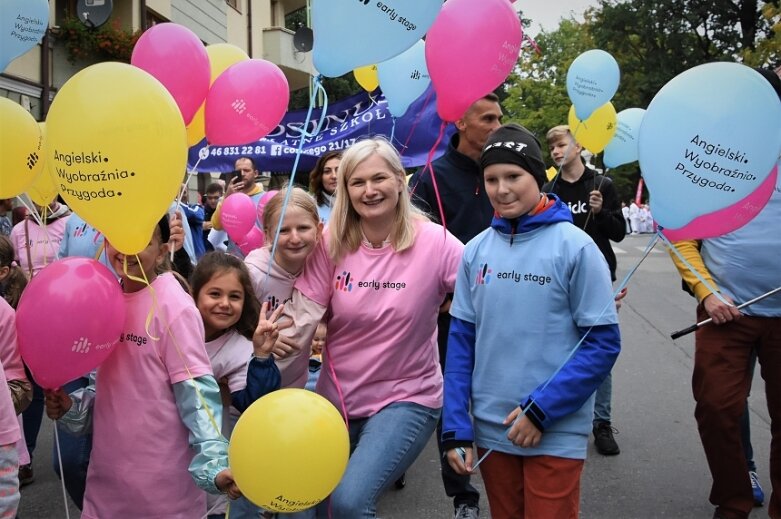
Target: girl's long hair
215 263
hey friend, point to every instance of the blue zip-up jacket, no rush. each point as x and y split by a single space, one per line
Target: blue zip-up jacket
527 291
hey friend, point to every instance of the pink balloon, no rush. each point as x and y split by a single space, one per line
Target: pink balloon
245 103
471 48
263 201
175 56
237 214
253 240
728 219
69 319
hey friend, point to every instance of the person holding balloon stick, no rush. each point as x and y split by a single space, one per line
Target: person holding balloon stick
165 356
596 210
534 468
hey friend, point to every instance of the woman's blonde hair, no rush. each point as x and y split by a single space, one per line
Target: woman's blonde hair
344 222
271 213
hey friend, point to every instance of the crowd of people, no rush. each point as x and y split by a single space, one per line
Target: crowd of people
473 301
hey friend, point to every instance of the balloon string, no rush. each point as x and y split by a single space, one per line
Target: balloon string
184 187
317 87
430 167
693 270
596 188
144 280
393 129
62 474
415 123
612 302
30 209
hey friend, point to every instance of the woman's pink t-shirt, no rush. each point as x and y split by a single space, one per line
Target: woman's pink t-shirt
382 329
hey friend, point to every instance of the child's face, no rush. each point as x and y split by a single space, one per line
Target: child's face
318 342
220 302
564 150
297 238
512 190
138 265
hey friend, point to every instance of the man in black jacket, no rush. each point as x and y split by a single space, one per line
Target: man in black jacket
467 212
596 209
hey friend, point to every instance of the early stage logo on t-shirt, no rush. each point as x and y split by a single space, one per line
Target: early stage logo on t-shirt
345 283
274 301
483 275
139 340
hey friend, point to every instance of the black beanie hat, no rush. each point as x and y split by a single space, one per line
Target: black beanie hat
514 144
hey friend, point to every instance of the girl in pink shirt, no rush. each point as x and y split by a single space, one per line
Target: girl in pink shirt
36 246
239 340
300 232
148 405
381 273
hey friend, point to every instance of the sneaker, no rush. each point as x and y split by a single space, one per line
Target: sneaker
401 482
603 439
756 488
26 475
465 511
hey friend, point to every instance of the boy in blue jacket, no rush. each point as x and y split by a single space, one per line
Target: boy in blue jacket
528 289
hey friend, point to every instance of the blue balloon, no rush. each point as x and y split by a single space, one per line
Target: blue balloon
23 24
709 138
353 33
404 78
622 148
592 81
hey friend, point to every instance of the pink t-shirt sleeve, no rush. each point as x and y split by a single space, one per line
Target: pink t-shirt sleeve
9 348
182 351
315 281
452 250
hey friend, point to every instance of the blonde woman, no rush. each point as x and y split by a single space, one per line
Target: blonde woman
381 273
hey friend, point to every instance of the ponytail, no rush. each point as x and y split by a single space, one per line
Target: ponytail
12 285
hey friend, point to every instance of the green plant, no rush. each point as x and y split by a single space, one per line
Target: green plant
108 42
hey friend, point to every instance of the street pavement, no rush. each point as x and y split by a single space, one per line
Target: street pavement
661 471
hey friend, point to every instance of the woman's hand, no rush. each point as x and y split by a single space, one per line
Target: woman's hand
57 403
267 331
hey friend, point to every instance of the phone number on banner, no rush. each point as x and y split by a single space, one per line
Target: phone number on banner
276 150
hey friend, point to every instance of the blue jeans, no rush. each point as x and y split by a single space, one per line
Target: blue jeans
75 451
602 400
383 448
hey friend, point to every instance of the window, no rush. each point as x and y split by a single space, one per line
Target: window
236 4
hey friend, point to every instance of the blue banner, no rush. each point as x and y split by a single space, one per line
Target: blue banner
346 121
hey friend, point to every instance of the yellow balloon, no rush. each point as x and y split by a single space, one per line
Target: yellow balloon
367 77
117 148
196 130
595 132
43 189
289 450
21 149
222 56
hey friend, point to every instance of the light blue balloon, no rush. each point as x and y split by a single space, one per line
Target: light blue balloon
622 148
404 78
709 138
592 80
23 24
354 33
